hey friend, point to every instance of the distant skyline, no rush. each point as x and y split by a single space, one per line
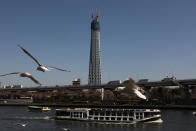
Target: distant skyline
139 39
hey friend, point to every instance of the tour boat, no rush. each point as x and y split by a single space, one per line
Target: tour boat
109 115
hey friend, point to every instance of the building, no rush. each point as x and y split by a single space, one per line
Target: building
17 86
76 82
94 77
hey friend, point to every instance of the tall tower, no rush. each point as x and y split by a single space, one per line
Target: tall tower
94 77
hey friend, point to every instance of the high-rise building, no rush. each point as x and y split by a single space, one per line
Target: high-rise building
94 77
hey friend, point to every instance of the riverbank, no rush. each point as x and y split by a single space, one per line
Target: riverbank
176 107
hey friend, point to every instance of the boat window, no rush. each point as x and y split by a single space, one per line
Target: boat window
112 118
146 114
125 113
107 118
101 118
131 113
102 113
59 113
67 113
107 113
75 115
62 113
84 115
95 118
90 112
124 119
131 119
137 117
113 113
119 113
80 114
96 113
156 113
118 118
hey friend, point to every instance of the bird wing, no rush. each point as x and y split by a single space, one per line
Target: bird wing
11 73
131 84
34 80
139 94
25 51
51 67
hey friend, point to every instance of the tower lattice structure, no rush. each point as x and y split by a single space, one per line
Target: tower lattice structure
94 77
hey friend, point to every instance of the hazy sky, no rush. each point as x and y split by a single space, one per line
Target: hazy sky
139 39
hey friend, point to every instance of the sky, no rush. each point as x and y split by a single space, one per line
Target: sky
139 38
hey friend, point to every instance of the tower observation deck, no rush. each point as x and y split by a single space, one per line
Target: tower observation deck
94 77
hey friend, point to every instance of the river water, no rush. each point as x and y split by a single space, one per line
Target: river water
12 118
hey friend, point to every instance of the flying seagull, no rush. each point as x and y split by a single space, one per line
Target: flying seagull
65 129
24 74
130 83
22 124
139 94
41 67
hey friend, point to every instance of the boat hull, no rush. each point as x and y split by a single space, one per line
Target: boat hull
154 119
148 120
38 108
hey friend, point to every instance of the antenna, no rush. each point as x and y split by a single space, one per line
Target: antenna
92 14
97 14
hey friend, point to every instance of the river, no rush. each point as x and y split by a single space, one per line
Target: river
14 118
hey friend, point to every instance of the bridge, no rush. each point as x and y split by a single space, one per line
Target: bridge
187 83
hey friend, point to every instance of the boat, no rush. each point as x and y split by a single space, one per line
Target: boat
128 116
38 108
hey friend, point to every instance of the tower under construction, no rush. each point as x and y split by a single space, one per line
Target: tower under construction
94 77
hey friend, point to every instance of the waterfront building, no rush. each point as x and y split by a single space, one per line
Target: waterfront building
94 77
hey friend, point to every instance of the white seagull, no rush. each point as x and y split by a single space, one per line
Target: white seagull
65 129
139 94
22 124
24 74
136 89
41 67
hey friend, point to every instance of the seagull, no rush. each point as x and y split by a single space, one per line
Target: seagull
139 94
24 74
136 89
41 67
120 88
22 124
65 129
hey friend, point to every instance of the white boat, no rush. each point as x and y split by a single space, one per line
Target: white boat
109 115
46 109
38 108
